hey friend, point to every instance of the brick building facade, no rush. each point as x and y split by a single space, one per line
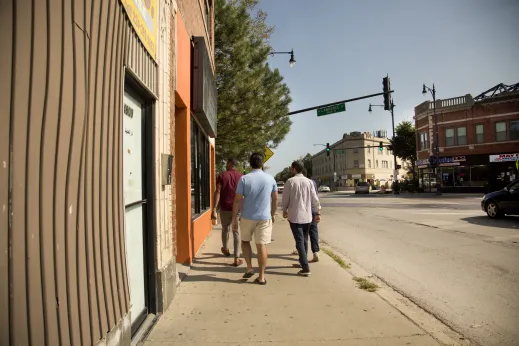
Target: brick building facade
478 140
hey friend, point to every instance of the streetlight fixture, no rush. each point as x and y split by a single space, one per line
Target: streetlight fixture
395 175
292 60
436 147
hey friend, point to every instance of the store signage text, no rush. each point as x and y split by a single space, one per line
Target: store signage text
143 16
504 157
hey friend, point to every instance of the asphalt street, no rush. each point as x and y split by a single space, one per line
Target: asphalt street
442 253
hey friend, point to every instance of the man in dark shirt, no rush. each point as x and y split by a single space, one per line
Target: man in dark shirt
226 184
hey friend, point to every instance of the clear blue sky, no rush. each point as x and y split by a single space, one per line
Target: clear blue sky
343 48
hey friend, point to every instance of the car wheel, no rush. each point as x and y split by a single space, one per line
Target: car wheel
492 210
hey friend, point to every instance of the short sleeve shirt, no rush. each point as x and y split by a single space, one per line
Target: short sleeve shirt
256 189
228 182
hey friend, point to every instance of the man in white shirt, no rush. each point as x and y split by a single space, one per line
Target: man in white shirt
299 197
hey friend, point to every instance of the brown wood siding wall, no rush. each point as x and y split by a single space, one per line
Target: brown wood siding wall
63 278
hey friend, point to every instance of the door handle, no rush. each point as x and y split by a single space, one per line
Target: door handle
133 204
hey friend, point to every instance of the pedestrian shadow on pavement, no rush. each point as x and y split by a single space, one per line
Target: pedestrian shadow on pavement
212 278
510 222
209 256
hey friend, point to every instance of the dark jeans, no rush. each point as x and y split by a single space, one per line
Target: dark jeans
314 235
300 232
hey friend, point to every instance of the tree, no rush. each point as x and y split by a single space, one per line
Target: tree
404 144
252 98
285 174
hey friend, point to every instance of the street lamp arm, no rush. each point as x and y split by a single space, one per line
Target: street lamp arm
272 53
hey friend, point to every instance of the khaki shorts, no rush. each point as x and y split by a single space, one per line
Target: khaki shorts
261 229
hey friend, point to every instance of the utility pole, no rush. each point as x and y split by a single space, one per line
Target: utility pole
436 140
389 106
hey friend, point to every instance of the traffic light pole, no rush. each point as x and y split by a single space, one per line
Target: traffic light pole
395 173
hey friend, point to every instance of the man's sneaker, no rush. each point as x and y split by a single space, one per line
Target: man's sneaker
316 257
304 273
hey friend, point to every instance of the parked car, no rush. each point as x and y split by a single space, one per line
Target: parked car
362 187
323 188
281 185
503 202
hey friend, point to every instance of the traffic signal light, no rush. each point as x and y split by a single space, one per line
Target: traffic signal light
381 146
387 96
327 149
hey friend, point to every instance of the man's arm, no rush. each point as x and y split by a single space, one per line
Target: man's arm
285 200
315 201
236 207
216 197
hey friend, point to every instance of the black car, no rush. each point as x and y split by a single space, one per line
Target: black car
502 202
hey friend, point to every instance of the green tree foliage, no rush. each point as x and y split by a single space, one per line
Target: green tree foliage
252 98
285 174
404 144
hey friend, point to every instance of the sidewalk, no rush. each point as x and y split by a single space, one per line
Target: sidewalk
213 305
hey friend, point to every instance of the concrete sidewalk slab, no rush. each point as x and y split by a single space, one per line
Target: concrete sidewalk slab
215 305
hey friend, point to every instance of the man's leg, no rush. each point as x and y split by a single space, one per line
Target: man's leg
263 236
298 233
314 239
226 218
246 228
236 238
247 255
262 261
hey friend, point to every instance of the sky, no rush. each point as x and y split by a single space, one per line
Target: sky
343 49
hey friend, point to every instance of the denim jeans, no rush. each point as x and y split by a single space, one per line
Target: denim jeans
300 232
314 235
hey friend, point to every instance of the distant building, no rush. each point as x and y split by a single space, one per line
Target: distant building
357 158
478 140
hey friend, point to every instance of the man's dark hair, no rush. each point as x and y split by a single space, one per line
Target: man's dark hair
305 172
256 160
232 161
298 166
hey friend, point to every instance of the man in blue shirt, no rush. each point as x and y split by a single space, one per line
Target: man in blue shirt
258 191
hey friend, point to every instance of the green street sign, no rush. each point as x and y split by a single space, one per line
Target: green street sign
340 107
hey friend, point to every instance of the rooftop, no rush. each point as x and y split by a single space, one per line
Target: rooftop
498 92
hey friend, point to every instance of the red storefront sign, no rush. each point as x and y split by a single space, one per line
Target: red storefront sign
504 157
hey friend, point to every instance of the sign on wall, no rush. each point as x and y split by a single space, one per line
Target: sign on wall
504 157
204 103
143 15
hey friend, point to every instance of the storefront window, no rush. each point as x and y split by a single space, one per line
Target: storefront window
514 130
447 176
479 175
200 170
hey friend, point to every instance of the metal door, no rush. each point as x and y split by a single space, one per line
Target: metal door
135 206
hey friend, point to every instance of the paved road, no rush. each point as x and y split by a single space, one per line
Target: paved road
443 253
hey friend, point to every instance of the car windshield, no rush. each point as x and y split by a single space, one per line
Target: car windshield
362 184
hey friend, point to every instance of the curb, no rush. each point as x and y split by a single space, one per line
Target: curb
423 319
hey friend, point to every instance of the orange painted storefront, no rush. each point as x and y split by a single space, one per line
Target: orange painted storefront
190 233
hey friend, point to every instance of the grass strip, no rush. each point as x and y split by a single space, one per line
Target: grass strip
365 284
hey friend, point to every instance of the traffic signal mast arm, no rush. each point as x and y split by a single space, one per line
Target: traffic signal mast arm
339 102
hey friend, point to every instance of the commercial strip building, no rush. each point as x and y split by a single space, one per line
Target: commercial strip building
108 126
355 158
478 140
